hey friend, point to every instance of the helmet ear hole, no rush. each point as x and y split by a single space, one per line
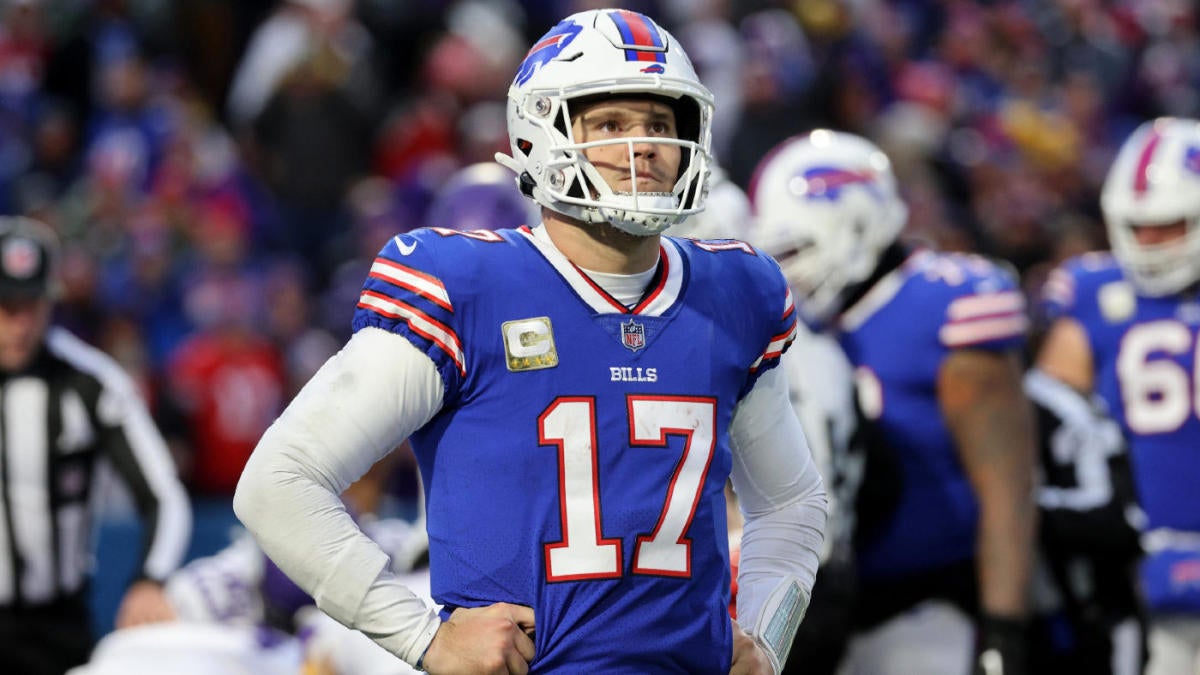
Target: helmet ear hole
526 183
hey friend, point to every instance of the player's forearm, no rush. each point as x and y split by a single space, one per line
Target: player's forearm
293 511
783 499
776 571
303 527
779 489
782 544
992 423
288 497
1004 558
1008 511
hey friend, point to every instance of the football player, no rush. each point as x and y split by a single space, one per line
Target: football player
1125 328
577 393
943 561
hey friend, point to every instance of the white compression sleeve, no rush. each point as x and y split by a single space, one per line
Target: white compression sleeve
782 498
362 403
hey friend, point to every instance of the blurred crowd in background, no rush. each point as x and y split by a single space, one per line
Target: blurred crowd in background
222 172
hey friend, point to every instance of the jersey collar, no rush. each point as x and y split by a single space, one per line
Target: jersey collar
661 295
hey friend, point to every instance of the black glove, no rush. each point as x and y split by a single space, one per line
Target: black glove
1001 647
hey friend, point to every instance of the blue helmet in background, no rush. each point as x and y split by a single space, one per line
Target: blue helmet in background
481 196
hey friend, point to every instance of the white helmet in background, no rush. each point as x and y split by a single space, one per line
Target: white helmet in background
612 53
726 213
1155 182
826 207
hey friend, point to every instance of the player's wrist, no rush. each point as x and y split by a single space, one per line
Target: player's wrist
769 654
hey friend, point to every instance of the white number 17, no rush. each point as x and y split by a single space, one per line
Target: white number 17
569 423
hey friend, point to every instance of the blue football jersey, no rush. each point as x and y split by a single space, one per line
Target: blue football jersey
578 463
1144 355
896 337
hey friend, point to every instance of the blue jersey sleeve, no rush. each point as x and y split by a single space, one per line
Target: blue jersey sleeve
783 333
405 294
751 294
984 307
1072 290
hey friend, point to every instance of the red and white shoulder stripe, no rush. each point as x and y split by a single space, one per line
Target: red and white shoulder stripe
780 341
985 317
423 286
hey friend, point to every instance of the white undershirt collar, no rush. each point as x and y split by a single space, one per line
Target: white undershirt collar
626 289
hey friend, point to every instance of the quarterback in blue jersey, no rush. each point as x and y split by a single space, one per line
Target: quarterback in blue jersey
933 339
1126 327
577 394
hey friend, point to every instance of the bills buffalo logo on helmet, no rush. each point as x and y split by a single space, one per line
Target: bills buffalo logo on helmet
827 182
547 49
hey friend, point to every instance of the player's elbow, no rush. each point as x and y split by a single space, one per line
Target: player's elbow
251 497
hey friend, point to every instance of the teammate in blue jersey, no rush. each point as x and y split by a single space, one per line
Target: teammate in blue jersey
933 339
577 394
1126 328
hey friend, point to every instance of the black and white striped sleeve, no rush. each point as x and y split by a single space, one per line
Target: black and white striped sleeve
138 453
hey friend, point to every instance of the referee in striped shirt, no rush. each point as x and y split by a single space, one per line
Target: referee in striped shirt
63 407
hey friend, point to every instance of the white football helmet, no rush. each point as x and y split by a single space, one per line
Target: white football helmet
608 52
826 207
1155 181
726 213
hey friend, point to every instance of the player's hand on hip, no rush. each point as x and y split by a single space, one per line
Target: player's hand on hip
748 656
492 640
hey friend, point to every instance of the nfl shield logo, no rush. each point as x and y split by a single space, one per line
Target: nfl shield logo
633 335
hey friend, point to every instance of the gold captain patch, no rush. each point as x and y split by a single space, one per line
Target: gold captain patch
529 344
